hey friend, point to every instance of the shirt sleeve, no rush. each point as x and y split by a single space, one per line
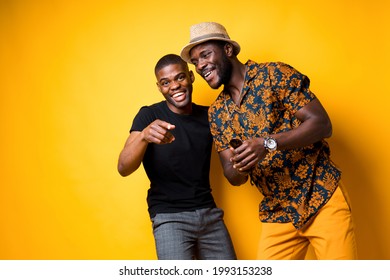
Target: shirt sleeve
291 86
144 117
219 126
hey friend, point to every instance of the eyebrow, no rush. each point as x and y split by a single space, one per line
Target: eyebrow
175 77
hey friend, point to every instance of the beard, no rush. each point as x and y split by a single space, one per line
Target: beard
225 70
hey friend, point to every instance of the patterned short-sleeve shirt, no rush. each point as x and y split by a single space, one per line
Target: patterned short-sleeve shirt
295 183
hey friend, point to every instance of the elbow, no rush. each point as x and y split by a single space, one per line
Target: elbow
234 177
328 130
126 168
122 173
237 180
329 134
122 170
235 183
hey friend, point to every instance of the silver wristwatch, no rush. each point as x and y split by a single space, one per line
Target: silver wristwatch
270 144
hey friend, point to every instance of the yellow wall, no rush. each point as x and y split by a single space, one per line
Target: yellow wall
74 73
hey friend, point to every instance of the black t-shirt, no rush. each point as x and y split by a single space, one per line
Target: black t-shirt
179 171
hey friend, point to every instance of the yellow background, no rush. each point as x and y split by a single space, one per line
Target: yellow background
74 74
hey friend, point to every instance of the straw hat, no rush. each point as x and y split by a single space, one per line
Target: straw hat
206 31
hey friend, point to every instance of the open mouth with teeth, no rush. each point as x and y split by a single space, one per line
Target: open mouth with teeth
207 75
179 96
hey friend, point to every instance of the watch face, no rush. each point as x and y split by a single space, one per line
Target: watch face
271 143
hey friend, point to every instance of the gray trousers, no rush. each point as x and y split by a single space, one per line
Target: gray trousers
199 234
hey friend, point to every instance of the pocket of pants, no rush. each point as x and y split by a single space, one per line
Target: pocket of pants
340 198
155 221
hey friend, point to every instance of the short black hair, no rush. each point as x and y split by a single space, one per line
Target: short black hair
168 60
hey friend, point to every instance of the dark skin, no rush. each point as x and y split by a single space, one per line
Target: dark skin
174 81
212 61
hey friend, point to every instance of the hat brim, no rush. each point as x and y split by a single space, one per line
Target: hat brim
185 52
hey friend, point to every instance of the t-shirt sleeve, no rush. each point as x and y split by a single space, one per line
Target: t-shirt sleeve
144 117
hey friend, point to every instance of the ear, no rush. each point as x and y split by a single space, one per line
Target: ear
192 76
229 50
158 87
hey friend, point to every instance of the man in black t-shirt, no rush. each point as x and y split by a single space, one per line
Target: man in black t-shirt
173 141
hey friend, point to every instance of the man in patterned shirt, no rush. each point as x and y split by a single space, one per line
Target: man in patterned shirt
282 126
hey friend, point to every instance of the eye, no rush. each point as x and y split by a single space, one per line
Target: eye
181 78
206 54
164 83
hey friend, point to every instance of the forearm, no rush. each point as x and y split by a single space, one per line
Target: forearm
132 154
315 126
306 134
234 177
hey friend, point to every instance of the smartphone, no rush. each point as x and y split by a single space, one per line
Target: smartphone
235 143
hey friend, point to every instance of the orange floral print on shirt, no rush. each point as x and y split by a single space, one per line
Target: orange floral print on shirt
295 183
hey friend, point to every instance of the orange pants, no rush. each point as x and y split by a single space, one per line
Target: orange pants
330 232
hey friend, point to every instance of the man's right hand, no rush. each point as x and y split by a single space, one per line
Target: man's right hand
159 132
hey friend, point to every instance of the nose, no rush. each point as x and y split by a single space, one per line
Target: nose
175 84
200 65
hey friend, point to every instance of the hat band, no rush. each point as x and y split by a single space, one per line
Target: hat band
212 35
